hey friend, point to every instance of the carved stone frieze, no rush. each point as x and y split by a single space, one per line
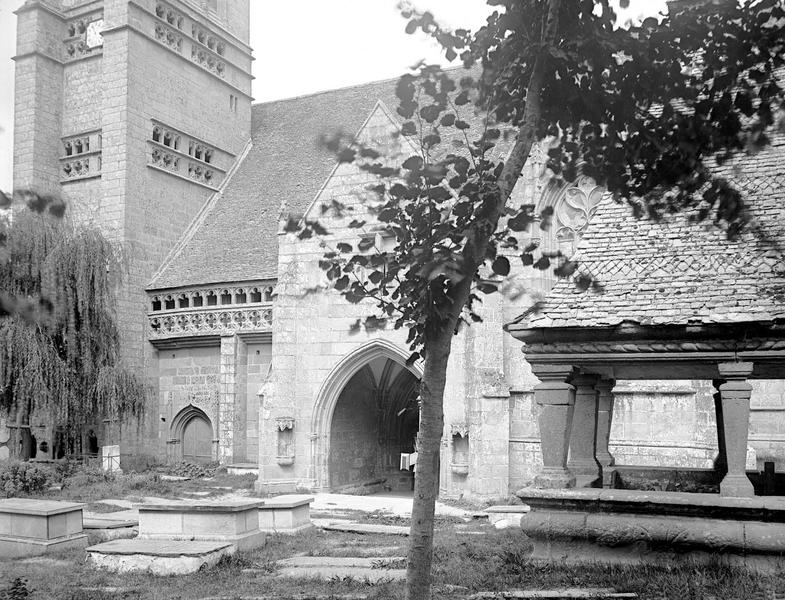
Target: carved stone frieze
169 37
166 13
165 160
658 346
81 167
461 429
179 153
205 38
201 173
284 423
208 60
222 321
204 297
84 36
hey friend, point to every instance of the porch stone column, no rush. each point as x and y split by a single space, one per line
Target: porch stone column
735 396
604 422
582 462
721 461
556 398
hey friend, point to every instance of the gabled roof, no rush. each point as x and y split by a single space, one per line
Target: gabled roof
679 272
236 237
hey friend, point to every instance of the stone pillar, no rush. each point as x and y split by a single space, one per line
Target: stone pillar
735 397
721 462
583 464
604 422
556 398
226 398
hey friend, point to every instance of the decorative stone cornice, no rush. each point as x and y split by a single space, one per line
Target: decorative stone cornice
461 429
238 309
655 346
284 423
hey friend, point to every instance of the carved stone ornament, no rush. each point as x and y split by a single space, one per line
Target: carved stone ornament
576 206
284 423
461 429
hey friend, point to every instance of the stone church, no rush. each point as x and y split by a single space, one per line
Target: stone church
139 112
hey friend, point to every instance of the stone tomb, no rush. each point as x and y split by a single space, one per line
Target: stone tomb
159 557
235 522
33 527
634 526
289 513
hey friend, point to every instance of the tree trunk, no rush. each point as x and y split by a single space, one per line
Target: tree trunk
437 348
426 483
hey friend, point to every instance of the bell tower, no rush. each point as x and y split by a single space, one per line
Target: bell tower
134 111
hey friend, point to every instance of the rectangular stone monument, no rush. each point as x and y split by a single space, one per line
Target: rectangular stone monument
159 557
110 458
33 527
235 522
289 513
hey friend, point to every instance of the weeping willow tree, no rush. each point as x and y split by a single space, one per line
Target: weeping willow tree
59 342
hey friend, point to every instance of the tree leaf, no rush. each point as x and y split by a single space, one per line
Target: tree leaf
501 266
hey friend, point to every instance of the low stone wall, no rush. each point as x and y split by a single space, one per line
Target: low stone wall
631 524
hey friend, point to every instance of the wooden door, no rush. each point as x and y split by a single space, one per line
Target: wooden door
198 441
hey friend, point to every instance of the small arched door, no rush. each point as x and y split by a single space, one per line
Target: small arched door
197 440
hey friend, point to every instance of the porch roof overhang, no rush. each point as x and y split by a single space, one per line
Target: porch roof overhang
633 351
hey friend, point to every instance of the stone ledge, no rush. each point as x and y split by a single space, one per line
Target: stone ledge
240 541
286 501
768 509
46 508
227 506
16 547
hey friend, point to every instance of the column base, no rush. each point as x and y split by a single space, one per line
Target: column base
586 474
554 479
736 486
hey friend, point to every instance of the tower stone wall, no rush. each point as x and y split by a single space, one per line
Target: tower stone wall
133 111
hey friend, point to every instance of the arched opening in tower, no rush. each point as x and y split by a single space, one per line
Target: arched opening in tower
375 420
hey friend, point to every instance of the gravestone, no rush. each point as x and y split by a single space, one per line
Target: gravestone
110 458
33 527
235 522
288 513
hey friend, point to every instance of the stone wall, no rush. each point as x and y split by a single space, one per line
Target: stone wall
187 377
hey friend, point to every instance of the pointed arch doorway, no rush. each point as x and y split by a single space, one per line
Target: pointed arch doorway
366 415
192 431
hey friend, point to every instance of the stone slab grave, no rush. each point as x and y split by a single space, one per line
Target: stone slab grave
562 594
33 527
328 567
159 557
288 513
347 526
504 516
235 522
102 528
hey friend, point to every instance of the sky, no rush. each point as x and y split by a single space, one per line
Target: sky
305 46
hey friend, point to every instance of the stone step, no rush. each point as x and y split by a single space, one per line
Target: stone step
335 561
560 594
353 527
377 551
331 572
93 521
159 557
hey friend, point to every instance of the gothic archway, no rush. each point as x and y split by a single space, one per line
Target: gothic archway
352 366
192 436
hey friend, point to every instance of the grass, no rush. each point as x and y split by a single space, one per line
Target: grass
463 564
91 485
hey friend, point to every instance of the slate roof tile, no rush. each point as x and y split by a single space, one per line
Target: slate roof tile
677 271
285 168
